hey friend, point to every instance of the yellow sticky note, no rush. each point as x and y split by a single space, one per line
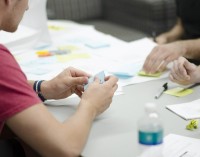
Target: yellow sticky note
72 56
143 73
179 91
69 48
55 28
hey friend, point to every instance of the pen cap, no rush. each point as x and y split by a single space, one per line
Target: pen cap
150 108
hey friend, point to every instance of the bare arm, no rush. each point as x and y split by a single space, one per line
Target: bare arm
192 48
68 82
172 35
50 138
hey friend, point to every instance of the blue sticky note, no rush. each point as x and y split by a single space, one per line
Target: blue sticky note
96 44
126 70
100 75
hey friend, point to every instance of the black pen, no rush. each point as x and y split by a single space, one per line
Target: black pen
161 90
183 154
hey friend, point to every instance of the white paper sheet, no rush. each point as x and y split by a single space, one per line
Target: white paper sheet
175 146
187 111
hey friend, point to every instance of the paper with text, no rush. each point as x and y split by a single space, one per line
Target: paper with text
175 146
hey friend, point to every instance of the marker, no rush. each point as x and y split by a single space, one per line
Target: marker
161 90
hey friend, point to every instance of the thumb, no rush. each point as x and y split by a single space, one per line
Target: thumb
189 66
78 81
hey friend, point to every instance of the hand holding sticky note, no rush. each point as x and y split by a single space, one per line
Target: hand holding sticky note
100 76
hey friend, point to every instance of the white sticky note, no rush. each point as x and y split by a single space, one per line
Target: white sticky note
100 75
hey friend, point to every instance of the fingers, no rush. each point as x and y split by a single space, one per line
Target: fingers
189 66
78 92
110 82
77 73
179 73
77 81
155 61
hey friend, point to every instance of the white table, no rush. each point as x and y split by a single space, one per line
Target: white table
114 134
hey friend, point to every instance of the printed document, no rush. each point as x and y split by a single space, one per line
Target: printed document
175 146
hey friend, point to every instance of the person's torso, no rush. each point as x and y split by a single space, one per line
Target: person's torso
189 12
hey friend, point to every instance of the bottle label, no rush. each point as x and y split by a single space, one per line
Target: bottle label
150 138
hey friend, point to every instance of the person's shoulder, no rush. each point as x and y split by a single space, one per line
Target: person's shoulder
3 48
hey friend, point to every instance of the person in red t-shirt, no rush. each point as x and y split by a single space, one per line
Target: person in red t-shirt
24 113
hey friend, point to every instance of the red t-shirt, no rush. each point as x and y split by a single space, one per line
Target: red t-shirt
15 93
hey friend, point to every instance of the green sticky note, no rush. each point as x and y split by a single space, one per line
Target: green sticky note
143 73
192 125
189 127
179 91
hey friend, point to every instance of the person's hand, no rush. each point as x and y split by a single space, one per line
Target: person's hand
161 39
98 97
184 72
66 83
161 55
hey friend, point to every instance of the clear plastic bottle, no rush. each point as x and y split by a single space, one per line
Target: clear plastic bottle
150 129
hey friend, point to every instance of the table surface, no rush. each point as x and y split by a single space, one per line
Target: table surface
114 133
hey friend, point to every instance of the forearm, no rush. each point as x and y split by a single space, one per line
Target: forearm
49 137
192 48
175 33
44 88
197 76
78 134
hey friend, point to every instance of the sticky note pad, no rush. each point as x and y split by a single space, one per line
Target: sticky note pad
179 91
142 73
100 75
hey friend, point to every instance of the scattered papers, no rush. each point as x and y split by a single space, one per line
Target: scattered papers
96 44
117 57
179 91
175 146
187 111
